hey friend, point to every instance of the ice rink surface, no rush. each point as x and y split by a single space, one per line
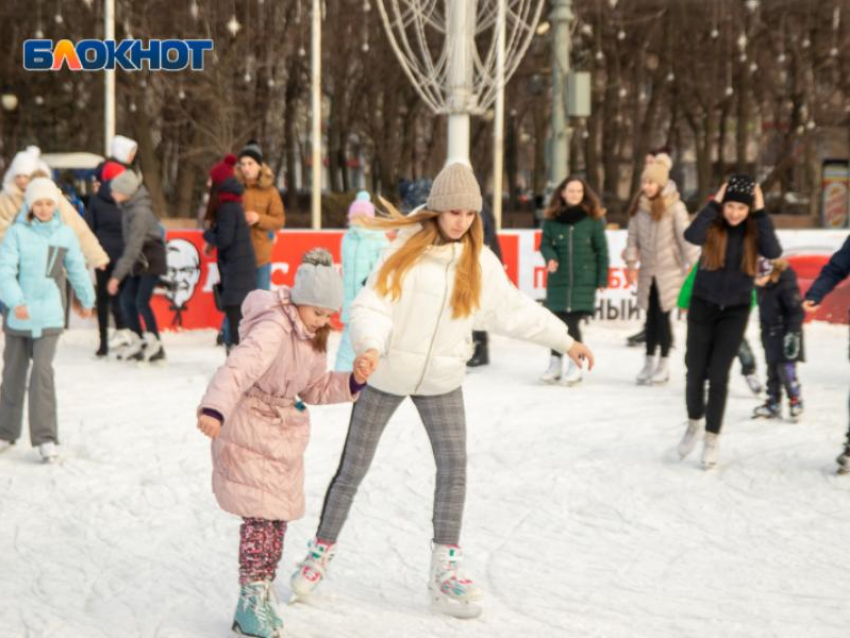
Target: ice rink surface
580 519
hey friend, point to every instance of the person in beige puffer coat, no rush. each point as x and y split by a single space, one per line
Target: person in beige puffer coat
657 222
254 413
24 167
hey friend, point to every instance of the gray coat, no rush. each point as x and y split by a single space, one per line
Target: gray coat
144 248
661 249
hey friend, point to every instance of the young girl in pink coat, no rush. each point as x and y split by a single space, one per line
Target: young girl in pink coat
254 413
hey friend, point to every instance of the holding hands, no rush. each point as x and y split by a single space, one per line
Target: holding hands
365 364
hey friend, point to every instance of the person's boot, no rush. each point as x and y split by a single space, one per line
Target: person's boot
554 371
691 438
645 375
573 375
313 569
481 356
636 339
795 409
709 450
843 460
661 374
769 410
754 384
254 615
452 591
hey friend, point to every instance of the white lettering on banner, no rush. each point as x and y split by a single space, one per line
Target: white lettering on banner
619 300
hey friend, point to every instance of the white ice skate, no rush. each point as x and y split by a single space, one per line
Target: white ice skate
553 373
152 351
312 570
132 351
709 451
120 338
452 592
644 377
573 375
661 374
48 452
754 383
692 436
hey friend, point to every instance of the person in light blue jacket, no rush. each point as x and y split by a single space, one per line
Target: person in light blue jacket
361 250
36 253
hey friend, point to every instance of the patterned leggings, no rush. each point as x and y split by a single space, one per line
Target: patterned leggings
260 548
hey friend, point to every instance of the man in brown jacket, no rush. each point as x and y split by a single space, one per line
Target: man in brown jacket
263 207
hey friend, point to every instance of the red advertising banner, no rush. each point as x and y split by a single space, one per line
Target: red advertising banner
189 303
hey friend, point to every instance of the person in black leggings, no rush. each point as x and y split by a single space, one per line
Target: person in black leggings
104 218
733 230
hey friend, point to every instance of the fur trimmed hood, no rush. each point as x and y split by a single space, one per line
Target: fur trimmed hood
265 179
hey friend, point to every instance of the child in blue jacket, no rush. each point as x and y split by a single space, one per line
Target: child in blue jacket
361 250
37 252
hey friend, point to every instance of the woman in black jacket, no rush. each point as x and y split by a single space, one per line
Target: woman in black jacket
733 231
229 233
104 218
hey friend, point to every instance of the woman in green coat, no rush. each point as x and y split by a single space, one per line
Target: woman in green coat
576 254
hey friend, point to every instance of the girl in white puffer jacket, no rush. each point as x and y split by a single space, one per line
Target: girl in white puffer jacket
414 320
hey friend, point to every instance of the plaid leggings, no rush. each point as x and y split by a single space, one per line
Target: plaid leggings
445 422
260 548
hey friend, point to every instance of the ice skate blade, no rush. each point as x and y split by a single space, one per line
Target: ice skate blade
237 630
466 610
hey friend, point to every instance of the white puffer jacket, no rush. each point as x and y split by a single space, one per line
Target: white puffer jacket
423 349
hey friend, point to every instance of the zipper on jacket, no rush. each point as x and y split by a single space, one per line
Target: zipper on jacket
439 316
572 260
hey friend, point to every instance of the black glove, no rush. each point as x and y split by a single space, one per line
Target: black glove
792 345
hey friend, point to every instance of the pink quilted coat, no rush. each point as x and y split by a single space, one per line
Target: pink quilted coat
258 459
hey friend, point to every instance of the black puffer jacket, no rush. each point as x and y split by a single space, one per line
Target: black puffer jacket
781 313
104 218
730 285
231 236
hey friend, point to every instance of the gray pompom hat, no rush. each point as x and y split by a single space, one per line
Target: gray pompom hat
317 283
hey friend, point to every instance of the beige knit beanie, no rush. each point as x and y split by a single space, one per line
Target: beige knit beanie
658 169
455 188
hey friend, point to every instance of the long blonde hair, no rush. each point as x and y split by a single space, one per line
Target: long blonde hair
466 296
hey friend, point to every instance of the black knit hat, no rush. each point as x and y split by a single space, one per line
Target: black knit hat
740 188
252 149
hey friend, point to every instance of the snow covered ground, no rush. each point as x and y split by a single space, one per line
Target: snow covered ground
580 519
